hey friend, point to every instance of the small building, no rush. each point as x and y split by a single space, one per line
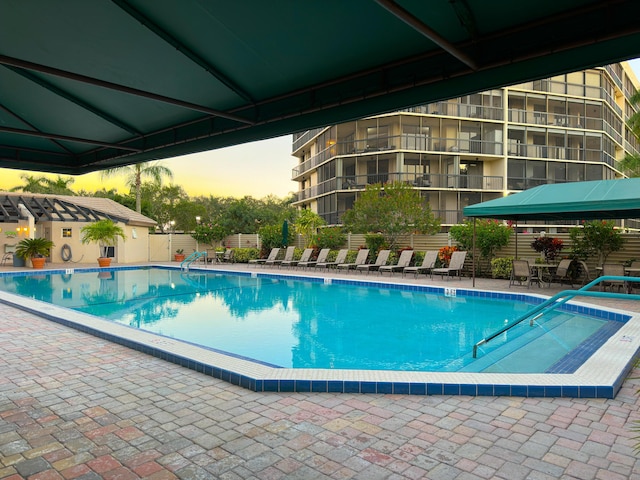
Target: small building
59 218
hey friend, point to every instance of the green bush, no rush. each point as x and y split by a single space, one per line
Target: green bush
243 255
501 267
375 242
330 237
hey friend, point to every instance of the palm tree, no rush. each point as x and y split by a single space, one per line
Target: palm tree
630 164
31 184
59 186
136 172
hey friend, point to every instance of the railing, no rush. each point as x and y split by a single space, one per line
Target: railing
455 109
194 257
418 180
560 299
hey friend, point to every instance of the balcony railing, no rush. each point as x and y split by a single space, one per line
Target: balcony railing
410 142
423 181
463 110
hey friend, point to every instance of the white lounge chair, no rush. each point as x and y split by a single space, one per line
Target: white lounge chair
288 256
428 264
381 259
455 266
403 262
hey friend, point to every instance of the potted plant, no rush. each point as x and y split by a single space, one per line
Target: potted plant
34 249
105 233
179 255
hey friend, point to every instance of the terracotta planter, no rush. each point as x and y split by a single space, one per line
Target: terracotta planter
179 257
38 262
104 261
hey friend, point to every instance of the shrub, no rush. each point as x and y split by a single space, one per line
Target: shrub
375 242
501 267
243 255
330 237
444 254
596 238
548 246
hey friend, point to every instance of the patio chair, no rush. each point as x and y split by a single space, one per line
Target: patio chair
562 273
306 255
381 259
322 257
583 271
361 259
227 256
403 262
428 264
272 256
521 272
9 252
342 256
288 256
615 269
455 266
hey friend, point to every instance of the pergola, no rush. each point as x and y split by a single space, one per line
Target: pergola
88 85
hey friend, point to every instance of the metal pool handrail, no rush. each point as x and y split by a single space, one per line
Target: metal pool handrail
561 298
192 258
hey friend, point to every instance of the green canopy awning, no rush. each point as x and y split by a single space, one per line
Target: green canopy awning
602 199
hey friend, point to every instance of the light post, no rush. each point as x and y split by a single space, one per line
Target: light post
197 223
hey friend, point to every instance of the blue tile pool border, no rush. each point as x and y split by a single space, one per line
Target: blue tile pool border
305 385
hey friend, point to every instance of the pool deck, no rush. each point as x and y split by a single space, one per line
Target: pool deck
76 406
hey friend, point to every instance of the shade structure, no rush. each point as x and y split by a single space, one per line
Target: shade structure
88 85
602 199
596 200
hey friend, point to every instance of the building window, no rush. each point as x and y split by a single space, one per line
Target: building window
66 233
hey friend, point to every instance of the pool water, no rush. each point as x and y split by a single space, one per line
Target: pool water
303 324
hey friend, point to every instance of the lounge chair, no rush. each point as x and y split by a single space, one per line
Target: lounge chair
428 264
521 272
340 258
322 257
403 262
288 256
361 259
583 270
272 256
562 273
616 269
455 266
306 255
381 260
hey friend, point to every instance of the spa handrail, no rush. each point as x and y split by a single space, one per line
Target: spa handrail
192 258
561 298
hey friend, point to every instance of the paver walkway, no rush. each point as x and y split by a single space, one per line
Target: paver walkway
73 406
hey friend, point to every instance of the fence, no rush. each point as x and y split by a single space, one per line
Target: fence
163 246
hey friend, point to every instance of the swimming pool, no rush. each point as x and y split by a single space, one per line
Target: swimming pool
351 311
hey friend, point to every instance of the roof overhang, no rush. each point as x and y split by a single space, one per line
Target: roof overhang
90 85
597 200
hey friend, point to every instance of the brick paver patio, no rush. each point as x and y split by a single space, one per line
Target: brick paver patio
73 406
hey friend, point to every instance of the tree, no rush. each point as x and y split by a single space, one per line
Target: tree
307 223
135 173
630 164
393 209
596 237
31 184
59 186
490 236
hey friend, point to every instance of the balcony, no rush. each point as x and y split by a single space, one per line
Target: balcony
421 181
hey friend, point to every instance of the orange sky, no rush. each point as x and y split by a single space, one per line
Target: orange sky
257 169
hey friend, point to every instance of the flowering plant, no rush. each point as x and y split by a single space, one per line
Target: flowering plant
444 254
548 246
208 233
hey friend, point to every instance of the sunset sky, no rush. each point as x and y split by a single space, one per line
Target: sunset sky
257 169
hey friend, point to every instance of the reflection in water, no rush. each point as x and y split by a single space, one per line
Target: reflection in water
285 322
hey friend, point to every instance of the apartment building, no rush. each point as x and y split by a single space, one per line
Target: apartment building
475 148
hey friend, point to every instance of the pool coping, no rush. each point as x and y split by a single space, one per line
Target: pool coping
600 376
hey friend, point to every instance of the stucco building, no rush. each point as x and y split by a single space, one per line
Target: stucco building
475 148
59 218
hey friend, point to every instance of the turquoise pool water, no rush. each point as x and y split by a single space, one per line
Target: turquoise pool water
302 324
